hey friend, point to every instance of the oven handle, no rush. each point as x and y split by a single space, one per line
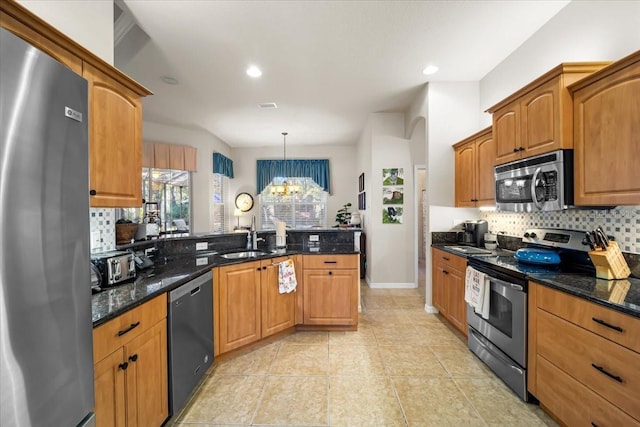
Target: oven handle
481 341
513 286
533 189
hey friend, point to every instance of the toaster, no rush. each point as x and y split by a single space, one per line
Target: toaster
114 267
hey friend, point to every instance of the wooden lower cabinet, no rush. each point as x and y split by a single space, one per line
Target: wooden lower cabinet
278 310
448 276
131 381
582 373
239 305
249 305
331 290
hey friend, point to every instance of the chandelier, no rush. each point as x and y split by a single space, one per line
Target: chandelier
286 188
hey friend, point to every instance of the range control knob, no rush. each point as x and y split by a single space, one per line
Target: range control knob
533 235
526 235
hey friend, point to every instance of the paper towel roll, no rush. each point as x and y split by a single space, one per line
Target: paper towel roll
281 234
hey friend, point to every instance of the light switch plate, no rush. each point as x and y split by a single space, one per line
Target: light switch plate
202 246
202 261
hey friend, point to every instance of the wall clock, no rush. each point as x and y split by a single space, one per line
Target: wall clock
244 202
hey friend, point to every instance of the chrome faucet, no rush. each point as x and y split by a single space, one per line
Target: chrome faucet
252 237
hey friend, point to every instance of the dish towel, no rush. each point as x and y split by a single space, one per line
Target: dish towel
286 277
477 291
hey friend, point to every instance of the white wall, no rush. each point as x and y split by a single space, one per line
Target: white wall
344 176
581 31
202 180
89 23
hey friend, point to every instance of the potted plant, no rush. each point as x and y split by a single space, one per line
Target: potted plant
343 216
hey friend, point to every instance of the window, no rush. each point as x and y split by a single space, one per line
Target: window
167 193
306 208
218 208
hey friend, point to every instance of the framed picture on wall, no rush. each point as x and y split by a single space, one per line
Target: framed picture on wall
361 183
362 201
392 215
393 176
392 195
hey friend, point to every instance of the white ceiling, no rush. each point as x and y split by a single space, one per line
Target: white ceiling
327 64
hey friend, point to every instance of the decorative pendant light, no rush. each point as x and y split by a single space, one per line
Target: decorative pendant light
285 189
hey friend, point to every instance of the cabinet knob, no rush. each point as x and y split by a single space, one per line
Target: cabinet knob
92 192
123 366
521 149
330 273
445 272
264 268
259 268
515 150
133 358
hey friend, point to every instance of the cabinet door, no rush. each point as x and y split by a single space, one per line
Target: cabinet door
439 289
239 305
330 297
457 308
147 389
278 310
540 119
607 140
485 158
115 142
464 179
109 378
506 132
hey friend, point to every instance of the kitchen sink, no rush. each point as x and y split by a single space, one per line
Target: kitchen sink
243 254
469 250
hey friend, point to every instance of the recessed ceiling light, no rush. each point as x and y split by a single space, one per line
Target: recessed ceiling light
169 80
268 105
254 71
430 69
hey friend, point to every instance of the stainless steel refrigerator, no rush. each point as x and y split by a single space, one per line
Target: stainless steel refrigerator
46 361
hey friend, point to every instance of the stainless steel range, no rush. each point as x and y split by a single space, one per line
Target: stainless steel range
501 339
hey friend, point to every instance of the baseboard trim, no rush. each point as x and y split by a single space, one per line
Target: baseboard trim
430 309
392 285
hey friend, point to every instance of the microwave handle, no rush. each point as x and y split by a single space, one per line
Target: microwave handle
533 189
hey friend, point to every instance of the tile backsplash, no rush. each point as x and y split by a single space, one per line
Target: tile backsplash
103 229
623 223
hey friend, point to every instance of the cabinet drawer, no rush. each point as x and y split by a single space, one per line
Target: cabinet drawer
450 260
117 332
573 403
608 369
330 261
616 326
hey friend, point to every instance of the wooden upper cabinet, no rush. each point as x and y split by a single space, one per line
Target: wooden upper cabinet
115 109
115 142
474 160
465 175
506 131
537 119
607 135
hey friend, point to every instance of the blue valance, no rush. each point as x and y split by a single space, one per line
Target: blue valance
222 164
266 170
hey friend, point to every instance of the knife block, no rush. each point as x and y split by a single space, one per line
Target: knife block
610 263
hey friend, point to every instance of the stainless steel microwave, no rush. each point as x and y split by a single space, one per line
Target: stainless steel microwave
536 184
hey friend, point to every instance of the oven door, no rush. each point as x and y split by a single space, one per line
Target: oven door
506 326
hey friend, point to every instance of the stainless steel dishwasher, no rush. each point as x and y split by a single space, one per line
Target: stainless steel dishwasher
190 337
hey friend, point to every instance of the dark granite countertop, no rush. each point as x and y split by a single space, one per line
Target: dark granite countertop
167 274
620 295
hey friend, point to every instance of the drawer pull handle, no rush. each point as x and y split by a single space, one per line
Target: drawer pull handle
445 258
331 262
124 331
608 325
123 366
601 369
445 272
593 424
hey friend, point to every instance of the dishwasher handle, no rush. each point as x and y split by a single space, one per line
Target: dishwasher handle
190 288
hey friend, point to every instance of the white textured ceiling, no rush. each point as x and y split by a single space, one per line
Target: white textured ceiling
327 64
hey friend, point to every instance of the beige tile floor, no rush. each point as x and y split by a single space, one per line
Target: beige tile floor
403 367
